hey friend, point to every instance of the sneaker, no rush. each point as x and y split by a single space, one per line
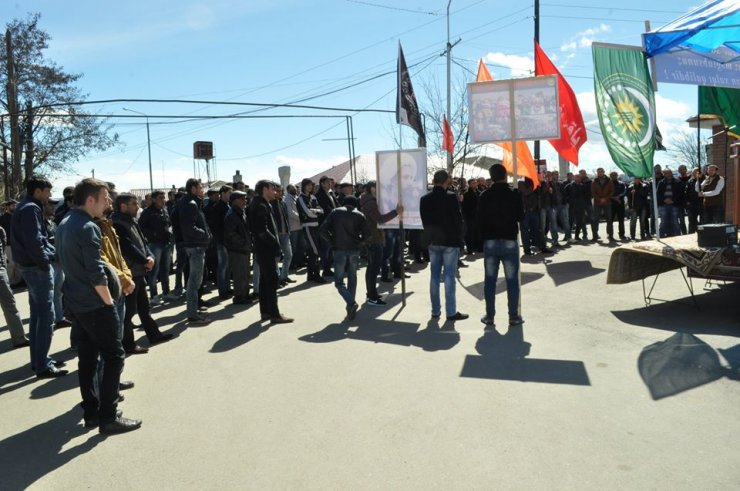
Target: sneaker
352 311
516 321
156 301
377 302
459 316
199 320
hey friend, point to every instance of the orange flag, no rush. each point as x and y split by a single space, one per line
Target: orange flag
448 141
524 159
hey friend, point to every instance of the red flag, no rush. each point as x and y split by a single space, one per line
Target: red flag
448 141
525 162
572 129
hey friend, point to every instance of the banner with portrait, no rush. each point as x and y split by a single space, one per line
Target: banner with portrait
536 110
413 184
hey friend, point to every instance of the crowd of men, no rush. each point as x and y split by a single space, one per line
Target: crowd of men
97 258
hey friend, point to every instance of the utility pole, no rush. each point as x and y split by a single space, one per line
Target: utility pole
11 89
537 40
149 148
449 82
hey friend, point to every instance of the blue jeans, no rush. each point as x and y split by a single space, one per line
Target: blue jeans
391 254
41 326
255 277
495 252
346 262
286 247
196 259
443 256
161 269
58 282
223 274
531 230
182 259
668 221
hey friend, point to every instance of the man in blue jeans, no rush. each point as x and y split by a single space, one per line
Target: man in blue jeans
195 238
156 224
443 224
346 229
500 210
35 255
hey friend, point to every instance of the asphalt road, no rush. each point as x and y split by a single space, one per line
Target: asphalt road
395 400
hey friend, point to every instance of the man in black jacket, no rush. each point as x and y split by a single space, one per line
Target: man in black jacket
469 207
140 261
310 213
238 241
346 229
266 250
157 227
443 225
195 238
669 194
216 224
327 202
499 212
639 206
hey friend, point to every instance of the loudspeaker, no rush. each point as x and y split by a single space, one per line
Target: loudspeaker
203 150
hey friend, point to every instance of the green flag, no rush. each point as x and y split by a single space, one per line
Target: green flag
626 107
723 102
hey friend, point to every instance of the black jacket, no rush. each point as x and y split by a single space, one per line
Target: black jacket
677 188
579 195
264 229
28 240
469 205
133 244
156 225
237 237
346 229
192 221
638 199
499 211
441 217
215 217
326 201
691 197
309 210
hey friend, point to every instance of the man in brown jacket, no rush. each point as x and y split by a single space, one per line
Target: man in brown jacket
602 190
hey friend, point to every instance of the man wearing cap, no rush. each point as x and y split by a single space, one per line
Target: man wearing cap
238 243
345 189
266 250
346 229
309 211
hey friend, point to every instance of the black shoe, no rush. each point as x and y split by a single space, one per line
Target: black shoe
461 264
59 363
377 302
280 319
242 301
125 385
62 323
527 252
458 317
225 296
289 280
162 338
398 276
352 311
137 350
200 320
119 425
516 321
94 421
328 272
318 279
52 372
545 250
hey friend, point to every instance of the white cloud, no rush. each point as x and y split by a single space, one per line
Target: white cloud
584 39
519 65
669 109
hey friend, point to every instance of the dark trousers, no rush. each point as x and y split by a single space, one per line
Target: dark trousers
99 336
311 236
641 215
472 242
694 214
578 215
374 260
138 303
268 283
607 212
240 271
531 231
392 255
713 214
618 215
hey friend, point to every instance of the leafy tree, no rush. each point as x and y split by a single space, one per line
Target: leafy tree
40 122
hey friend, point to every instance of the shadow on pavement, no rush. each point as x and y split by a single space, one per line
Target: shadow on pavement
36 452
235 339
54 386
720 313
568 271
680 363
476 290
504 357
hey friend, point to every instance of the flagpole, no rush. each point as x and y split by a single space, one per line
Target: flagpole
401 237
512 124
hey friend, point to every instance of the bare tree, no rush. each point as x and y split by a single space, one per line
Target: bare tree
684 149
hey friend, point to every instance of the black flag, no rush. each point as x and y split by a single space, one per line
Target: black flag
407 110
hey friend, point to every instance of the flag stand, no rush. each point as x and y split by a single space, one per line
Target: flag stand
512 121
401 234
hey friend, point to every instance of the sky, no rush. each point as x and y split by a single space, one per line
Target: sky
283 51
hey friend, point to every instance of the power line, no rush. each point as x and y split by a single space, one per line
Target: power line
389 7
605 19
618 9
